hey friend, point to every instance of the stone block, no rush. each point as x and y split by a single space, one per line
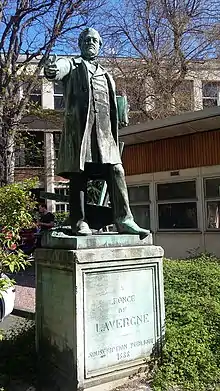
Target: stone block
100 314
63 240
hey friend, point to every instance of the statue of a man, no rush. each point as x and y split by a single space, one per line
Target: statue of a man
89 141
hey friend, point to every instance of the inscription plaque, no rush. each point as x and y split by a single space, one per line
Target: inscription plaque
119 318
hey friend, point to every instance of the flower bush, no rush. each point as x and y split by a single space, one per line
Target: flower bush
16 208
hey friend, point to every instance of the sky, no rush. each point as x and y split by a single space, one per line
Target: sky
35 34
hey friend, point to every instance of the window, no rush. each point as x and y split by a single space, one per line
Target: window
56 140
212 201
184 96
62 206
135 89
177 205
20 155
36 93
58 95
30 151
140 205
211 94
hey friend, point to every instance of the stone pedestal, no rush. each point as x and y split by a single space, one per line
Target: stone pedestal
100 311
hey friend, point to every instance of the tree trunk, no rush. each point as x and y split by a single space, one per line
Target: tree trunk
7 155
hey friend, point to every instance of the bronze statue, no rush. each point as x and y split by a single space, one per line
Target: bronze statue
89 145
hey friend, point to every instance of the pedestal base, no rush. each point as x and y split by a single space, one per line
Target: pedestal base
100 314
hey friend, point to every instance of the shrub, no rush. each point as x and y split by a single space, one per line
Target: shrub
60 217
191 355
16 207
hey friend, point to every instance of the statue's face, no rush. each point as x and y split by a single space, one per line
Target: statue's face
90 45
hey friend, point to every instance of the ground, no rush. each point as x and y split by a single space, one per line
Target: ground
25 289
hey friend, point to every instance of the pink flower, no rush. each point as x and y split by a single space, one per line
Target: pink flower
13 246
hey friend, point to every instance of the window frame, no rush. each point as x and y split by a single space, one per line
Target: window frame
209 199
40 94
142 203
176 201
22 151
213 98
59 95
122 89
59 203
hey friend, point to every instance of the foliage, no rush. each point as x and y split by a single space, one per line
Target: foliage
16 207
60 217
154 45
191 355
94 191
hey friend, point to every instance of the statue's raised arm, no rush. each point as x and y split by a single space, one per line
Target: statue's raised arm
56 69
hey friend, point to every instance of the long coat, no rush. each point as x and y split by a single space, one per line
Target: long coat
77 96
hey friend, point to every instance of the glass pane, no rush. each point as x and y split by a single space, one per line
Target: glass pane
58 87
138 194
212 187
20 155
178 216
62 207
56 139
58 208
36 99
210 102
141 215
210 89
37 89
213 215
184 98
177 190
56 154
58 102
34 149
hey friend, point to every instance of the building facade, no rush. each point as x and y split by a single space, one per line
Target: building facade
172 165
173 176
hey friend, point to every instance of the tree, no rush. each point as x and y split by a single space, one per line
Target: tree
30 29
158 42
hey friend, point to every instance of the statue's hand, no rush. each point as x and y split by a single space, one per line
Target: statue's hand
50 67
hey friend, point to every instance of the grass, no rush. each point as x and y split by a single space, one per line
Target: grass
191 355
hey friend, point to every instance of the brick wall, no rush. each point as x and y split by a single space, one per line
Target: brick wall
29 173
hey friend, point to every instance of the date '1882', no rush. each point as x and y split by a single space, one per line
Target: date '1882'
123 355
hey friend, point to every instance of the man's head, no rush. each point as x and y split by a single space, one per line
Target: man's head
89 43
42 208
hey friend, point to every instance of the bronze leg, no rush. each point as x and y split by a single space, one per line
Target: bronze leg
77 198
118 192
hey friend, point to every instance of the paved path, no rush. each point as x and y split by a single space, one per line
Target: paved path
24 298
25 289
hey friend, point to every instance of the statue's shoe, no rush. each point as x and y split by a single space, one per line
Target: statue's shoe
83 229
128 226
